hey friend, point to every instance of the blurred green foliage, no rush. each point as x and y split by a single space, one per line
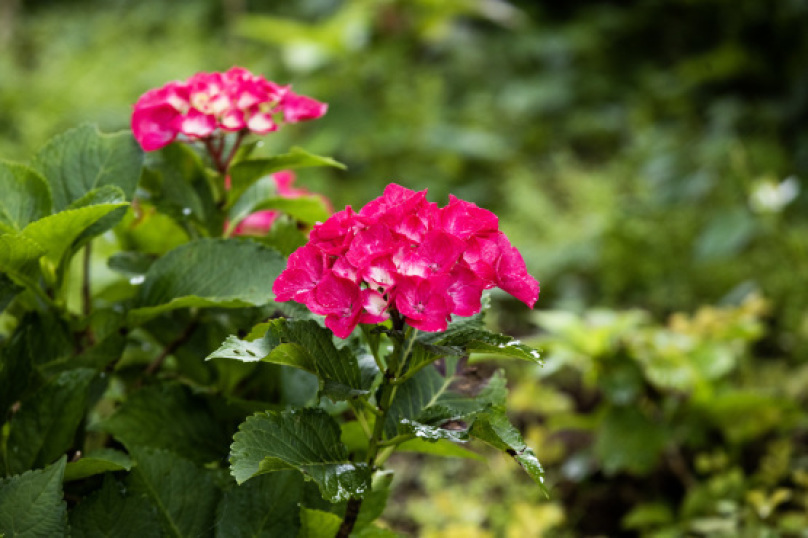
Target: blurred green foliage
641 154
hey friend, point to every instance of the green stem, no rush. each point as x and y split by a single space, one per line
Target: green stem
378 447
397 440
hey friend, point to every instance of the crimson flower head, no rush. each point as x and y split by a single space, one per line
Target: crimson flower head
402 253
210 103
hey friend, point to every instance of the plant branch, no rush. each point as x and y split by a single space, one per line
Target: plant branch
387 393
86 291
351 513
171 347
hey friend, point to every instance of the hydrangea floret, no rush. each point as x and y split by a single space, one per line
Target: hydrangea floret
211 103
405 256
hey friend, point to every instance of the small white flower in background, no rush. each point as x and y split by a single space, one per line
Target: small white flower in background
768 196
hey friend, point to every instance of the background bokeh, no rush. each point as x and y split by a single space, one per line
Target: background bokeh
647 157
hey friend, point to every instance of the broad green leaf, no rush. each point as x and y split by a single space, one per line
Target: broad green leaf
19 259
26 197
262 507
263 195
627 440
55 234
209 272
245 173
31 504
8 290
495 429
45 426
107 194
169 416
307 440
306 345
483 341
82 159
111 512
375 501
440 447
415 394
184 495
97 462
318 524
175 178
130 262
15 369
285 236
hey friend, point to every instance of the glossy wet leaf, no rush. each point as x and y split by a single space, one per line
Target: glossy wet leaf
307 440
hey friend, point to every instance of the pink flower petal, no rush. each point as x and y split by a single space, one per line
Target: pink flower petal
423 304
258 223
261 123
373 242
195 124
233 120
303 272
299 108
153 125
437 253
464 219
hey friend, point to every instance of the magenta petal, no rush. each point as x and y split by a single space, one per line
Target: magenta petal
335 295
464 219
299 108
340 301
464 291
342 327
233 120
195 124
422 304
258 223
375 307
437 253
153 126
370 243
303 272
261 123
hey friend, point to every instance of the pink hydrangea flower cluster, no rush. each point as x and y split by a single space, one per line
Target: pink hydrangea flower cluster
260 222
209 102
403 253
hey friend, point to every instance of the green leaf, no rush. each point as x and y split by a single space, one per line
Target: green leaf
264 506
245 173
15 368
82 159
97 462
478 340
375 501
184 495
8 290
209 272
306 345
307 440
56 232
26 197
31 504
111 512
175 178
46 423
169 416
441 447
495 429
318 524
627 440
49 237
